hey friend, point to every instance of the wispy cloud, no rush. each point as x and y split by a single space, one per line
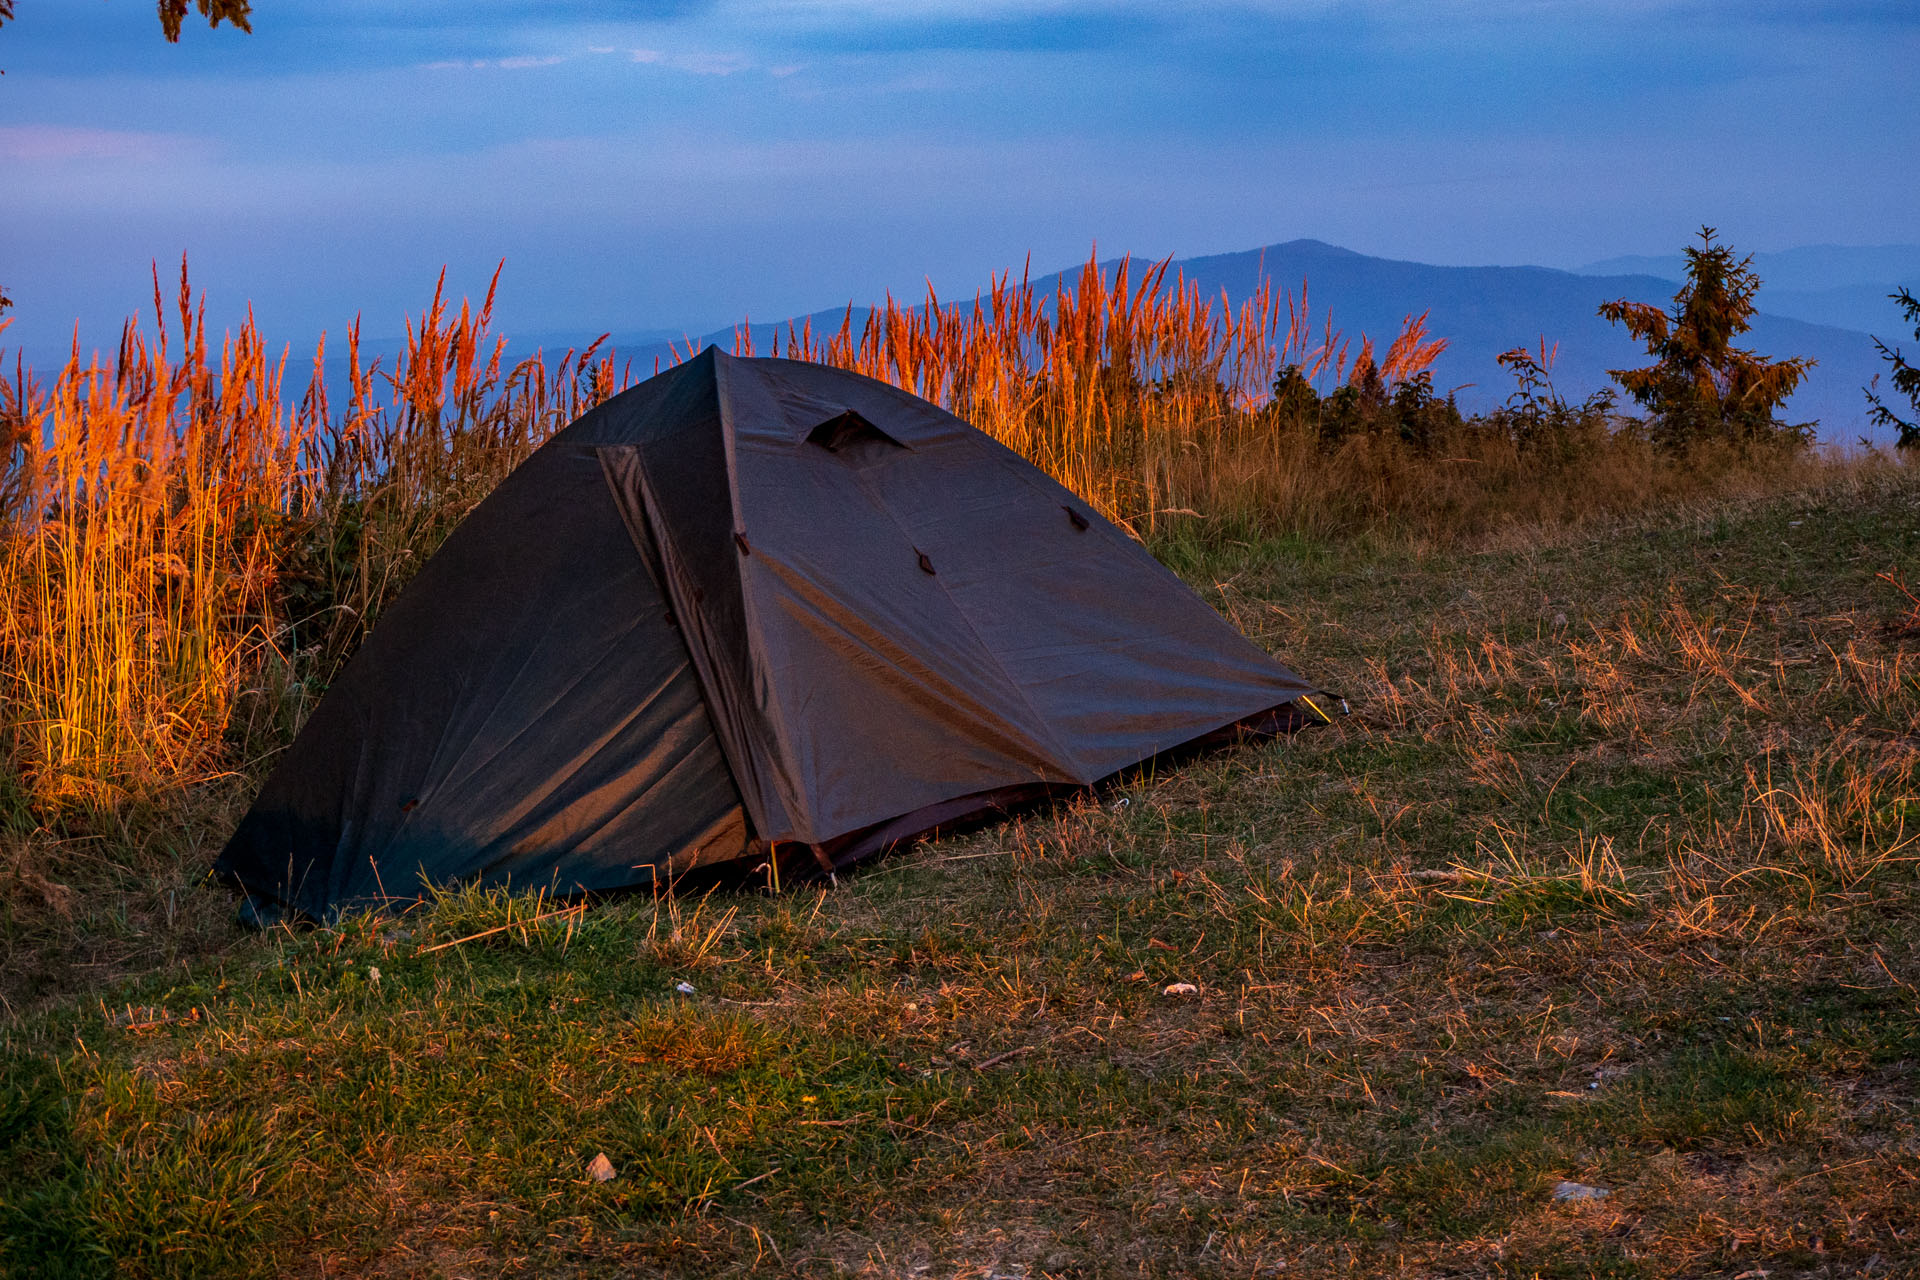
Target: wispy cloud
712 64
698 62
519 62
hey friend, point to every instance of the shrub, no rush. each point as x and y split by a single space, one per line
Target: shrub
1535 417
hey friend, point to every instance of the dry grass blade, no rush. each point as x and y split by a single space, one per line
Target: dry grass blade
576 910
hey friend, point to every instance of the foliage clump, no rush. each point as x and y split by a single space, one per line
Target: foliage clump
1535 422
1701 387
1367 406
1905 379
174 12
1538 420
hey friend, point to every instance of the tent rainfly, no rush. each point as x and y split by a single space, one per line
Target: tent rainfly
748 610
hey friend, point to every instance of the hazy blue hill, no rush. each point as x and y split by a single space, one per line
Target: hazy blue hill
1484 311
1809 267
1840 285
1867 307
558 342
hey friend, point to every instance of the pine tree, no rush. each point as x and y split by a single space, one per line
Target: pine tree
1905 379
1701 386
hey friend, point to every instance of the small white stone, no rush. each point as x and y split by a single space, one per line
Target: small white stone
684 988
1179 989
1579 1191
600 1169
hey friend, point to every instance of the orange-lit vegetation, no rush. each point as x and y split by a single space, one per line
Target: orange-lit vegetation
177 533
186 543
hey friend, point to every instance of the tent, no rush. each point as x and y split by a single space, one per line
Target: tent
749 611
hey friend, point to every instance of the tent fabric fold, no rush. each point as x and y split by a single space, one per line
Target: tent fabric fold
747 604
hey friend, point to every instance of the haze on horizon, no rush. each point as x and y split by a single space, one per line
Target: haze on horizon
683 163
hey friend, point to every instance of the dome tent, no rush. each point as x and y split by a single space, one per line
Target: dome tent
748 608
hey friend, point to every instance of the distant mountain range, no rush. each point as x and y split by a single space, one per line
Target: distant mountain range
1839 285
1483 311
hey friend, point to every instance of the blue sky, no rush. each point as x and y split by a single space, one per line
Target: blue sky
648 163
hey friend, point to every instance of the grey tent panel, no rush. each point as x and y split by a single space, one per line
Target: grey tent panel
524 713
747 603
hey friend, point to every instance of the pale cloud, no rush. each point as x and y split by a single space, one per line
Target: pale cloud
51 143
699 63
712 64
519 62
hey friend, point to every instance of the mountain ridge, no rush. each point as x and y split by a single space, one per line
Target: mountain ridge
1846 286
1482 312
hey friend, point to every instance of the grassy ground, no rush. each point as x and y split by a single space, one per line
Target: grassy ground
1609 879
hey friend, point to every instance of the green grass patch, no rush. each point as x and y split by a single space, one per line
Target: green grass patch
1609 879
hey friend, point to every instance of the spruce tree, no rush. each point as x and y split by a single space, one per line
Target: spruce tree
1701 386
1905 379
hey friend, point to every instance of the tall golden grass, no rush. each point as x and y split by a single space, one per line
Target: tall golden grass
186 550
175 530
1116 384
